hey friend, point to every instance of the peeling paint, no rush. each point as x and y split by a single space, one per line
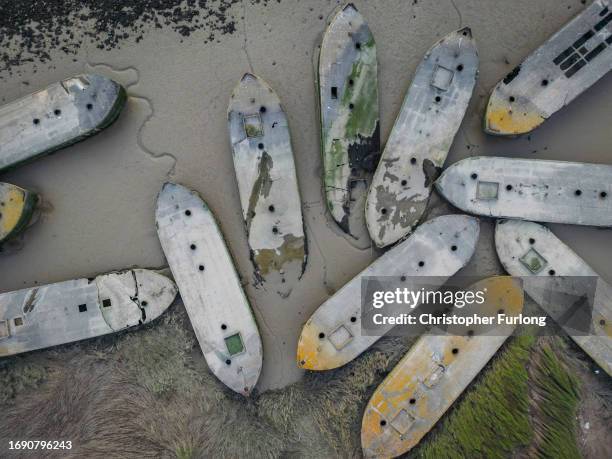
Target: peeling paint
267 182
436 370
57 116
446 242
556 294
423 132
529 189
75 310
350 128
570 62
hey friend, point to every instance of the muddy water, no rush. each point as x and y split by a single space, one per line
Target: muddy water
100 193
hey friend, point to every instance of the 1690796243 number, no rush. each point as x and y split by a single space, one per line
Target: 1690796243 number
39 444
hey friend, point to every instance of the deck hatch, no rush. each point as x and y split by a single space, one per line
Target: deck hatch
487 191
234 344
533 261
340 337
253 126
402 422
442 78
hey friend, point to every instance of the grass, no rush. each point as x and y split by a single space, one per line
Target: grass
497 402
555 400
148 393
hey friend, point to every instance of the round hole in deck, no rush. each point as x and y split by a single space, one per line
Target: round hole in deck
383 422
321 335
531 240
403 278
413 160
578 192
383 211
454 248
223 327
57 112
438 99
89 106
302 362
459 67
603 195
144 303
353 319
351 106
358 45
474 176
260 146
509 187
275 230
551 272
271 208
470 333
35 121
192 246
511 99
421 263
351 82
262 109
201 267
412 401
544 82
404 182
465 33
188 212
228 362
455 350
602 322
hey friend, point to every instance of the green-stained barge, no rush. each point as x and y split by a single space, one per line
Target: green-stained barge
350 131
58 116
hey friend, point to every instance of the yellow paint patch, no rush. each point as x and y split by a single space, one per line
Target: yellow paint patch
418 385
12 203
501 120
315 353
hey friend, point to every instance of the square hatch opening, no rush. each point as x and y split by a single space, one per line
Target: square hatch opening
234 344
253 127
442 78
340 337
533 261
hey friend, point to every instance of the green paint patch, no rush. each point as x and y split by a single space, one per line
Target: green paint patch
234 344
362 94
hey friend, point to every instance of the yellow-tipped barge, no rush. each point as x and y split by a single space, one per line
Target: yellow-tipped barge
16 209
435 371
